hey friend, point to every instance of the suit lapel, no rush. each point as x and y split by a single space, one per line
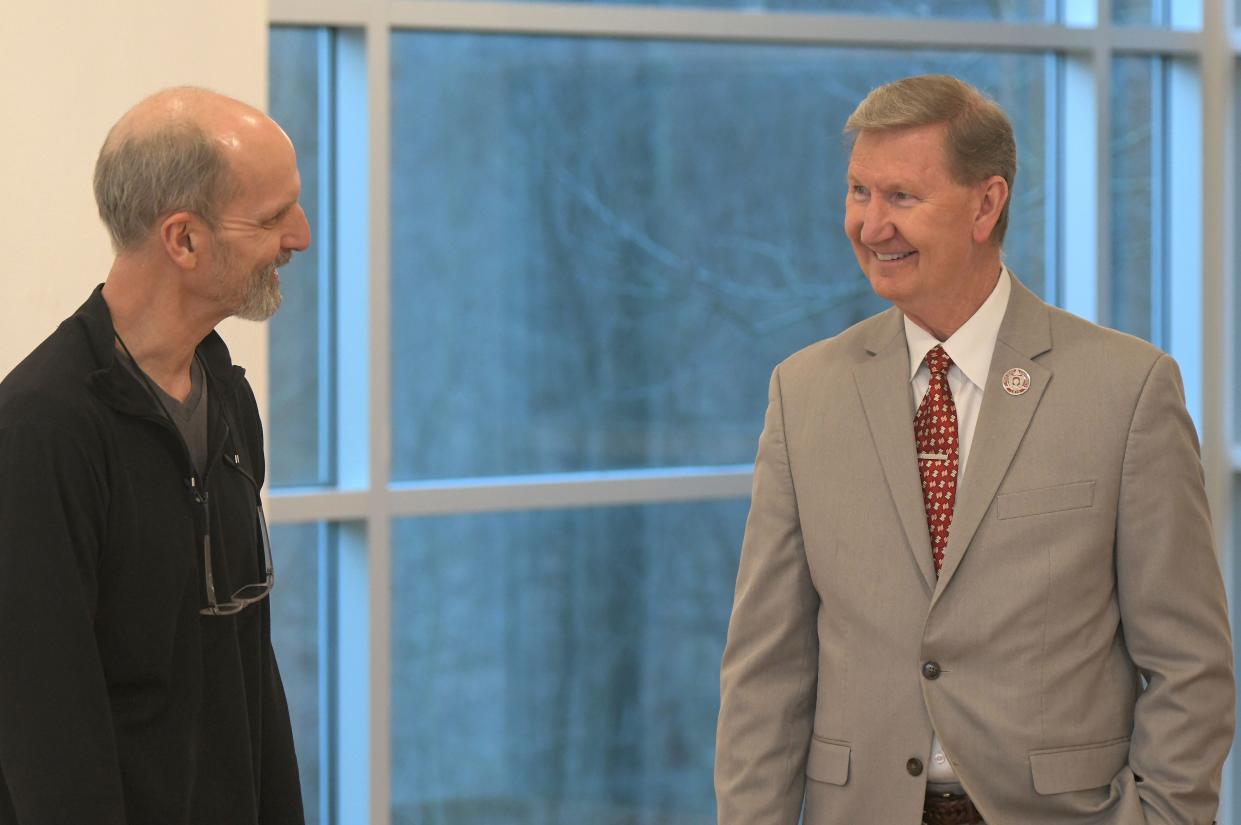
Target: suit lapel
1002 420
887 401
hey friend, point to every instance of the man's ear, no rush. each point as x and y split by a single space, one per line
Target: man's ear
181 234
994 196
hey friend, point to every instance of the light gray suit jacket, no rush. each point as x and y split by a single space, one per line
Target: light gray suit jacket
1079 623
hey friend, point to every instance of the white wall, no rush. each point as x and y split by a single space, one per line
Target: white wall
68 70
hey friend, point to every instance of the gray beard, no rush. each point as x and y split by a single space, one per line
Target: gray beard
262 296
259 297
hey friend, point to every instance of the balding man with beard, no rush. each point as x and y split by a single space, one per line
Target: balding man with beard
138 684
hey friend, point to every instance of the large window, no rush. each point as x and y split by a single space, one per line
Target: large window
518 382
615 241
559 666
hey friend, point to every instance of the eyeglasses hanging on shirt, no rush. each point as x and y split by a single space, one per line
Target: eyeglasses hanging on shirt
245 595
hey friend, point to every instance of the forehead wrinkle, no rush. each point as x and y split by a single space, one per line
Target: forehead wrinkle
912 147
282 208
899 173
257 202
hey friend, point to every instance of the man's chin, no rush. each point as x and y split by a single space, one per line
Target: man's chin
261 307
887 286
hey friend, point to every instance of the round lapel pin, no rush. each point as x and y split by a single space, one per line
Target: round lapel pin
1016 381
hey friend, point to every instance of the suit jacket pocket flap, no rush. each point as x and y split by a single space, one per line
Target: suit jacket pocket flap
1046 500
1060 770
828 762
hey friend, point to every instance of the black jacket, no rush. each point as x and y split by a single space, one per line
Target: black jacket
119 703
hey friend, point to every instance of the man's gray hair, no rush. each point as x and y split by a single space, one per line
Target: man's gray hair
144 176
979 141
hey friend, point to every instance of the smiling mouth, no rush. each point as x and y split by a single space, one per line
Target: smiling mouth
894 256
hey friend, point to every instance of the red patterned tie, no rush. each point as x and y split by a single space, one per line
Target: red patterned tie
935 430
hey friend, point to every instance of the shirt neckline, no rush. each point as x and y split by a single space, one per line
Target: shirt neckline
973 344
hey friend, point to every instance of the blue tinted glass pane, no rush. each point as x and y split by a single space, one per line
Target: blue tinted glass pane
1136 174
560 667
601 248
294 332
295 637
1140 12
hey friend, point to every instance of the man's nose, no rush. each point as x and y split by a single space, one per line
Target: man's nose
876 224
298 236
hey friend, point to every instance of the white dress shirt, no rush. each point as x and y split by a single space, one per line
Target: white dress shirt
970 349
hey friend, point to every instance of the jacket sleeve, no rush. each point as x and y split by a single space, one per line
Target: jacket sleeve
280 799
280 793
58 754
1173 610
770 666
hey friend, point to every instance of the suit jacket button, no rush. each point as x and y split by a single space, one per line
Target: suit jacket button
930 670
914 766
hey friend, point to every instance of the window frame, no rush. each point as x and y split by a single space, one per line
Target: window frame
1200 45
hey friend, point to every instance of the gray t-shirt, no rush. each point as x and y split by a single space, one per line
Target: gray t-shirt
189 417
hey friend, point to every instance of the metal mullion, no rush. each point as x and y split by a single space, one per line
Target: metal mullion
333 13
1102 67
1160 276
329 670
1053 175
680 23
326 252
1221 457
629 487
292 505
379 520
1154 41
493 494
659 22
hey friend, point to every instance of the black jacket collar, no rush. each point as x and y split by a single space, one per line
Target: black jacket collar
116 385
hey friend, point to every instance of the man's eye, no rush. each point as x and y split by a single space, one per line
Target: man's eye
903 197
858 191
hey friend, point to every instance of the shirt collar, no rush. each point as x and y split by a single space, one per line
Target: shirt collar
112 380
971 346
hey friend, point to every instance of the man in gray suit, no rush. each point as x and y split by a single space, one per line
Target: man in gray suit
1048 647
